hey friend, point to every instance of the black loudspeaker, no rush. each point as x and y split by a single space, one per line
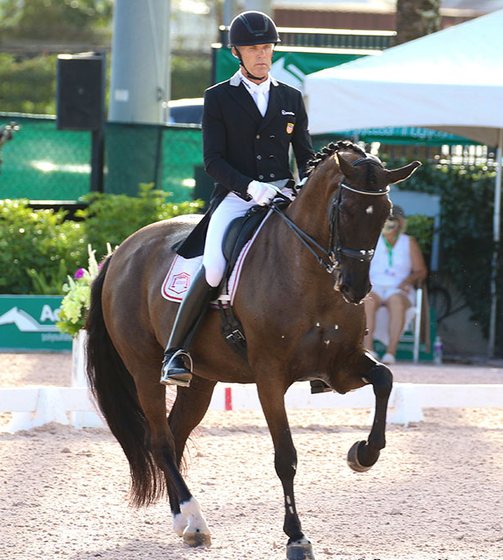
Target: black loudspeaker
80 97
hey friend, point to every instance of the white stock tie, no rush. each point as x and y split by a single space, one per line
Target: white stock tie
261 101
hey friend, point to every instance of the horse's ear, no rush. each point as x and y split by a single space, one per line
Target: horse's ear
402 173
347 169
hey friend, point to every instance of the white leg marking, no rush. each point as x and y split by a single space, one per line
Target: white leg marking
179 524
196 533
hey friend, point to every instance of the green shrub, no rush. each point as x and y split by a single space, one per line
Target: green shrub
37 249
28 85
190 75
111 218
421 228
466 228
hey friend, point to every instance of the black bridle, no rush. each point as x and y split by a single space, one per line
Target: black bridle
331 256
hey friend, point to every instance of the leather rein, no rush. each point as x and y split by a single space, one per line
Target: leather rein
331 256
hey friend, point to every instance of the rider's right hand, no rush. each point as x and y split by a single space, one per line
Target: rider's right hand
262 193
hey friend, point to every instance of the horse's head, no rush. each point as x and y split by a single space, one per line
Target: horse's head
359 207
355 187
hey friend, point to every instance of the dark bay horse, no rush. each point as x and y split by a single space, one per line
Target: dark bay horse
302 321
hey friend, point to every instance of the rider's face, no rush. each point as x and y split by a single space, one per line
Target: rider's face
257 59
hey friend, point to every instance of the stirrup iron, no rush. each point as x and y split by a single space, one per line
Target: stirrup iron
181 379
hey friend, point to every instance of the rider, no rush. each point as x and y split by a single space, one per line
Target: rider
248 125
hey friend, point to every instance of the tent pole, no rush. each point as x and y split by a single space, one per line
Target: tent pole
496 238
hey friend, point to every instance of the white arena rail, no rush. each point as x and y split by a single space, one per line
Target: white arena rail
35 406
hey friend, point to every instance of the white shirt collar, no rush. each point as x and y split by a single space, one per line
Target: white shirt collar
236 79
255 88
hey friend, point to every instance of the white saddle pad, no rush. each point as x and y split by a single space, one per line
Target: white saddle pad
182 270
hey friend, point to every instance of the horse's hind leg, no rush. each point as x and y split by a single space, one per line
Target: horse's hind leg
364 454
187 412
153 401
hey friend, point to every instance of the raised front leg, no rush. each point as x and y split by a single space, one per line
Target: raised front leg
364 454
285 462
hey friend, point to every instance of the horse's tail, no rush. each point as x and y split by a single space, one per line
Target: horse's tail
115 392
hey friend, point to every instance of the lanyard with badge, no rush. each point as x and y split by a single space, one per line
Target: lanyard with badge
389 249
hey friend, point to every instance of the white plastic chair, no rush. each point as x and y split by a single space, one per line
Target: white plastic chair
412 323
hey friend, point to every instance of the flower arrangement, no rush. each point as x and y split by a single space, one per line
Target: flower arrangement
75 304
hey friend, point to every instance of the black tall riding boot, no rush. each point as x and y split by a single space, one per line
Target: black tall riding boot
177 363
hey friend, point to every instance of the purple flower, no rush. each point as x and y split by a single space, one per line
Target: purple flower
79 273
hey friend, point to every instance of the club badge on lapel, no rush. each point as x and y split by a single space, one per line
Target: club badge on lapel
289 128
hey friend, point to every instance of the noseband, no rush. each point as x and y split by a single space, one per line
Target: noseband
335 249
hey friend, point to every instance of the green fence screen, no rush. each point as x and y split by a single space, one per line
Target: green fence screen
42 163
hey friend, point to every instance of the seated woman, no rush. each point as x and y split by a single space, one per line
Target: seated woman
397 266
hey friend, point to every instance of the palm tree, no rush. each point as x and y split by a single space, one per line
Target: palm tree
415 18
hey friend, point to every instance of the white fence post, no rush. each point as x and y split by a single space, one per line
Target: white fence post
79 379
48 408
404 406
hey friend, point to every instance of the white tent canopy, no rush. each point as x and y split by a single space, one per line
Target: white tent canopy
453 78
451 81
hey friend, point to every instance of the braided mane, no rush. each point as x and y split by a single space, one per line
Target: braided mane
331 149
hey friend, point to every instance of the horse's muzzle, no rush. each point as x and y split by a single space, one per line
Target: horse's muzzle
351 295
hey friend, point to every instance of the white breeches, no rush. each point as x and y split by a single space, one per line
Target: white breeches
232 206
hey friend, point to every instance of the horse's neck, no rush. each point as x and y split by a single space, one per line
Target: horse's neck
310 209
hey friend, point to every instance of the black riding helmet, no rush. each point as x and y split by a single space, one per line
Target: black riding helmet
252 28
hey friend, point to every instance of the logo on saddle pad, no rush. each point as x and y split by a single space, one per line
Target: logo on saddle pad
180 274
179 283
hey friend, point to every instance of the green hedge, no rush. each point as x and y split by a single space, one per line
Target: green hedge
466 229
38 249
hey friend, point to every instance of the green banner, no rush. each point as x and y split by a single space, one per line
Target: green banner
406 135
289 66
29 323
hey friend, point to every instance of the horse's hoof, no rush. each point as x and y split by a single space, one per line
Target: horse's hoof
353 460
302 551
197 538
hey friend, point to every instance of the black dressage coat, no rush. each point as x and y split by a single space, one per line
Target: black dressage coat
240 145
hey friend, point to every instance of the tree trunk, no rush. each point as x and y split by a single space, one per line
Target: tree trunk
415 18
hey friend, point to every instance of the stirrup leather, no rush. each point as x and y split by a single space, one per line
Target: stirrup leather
182 378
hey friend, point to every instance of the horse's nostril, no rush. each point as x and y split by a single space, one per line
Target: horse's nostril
345 289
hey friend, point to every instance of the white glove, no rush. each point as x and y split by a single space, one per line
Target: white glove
262 193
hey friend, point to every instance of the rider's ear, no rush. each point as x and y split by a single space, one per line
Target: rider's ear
402 173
